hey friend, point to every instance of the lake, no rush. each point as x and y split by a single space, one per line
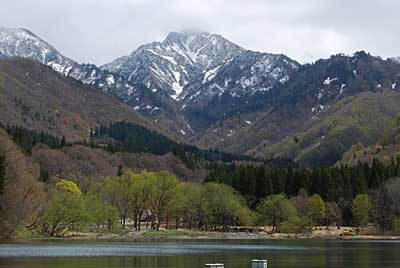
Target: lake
195 253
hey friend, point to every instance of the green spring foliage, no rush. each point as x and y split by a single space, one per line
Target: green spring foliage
333 184
151 197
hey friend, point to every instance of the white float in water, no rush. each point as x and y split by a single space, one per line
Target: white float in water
214 265
259 264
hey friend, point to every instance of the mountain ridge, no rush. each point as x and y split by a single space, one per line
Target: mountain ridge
213 93
20 42
198 69
302 100
181 56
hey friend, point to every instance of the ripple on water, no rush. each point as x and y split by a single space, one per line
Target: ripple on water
136 249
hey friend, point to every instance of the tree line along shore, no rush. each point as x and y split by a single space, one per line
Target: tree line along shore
276 193
151 203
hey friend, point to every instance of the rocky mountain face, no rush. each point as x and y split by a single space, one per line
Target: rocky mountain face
166 69
200 70
177 61
241 85
243 75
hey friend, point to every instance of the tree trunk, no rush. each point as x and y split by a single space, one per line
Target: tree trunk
167 222
177 223
135 223
140 220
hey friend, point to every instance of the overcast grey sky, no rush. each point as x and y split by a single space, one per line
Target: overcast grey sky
98 31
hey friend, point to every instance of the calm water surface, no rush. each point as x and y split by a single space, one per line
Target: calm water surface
188 254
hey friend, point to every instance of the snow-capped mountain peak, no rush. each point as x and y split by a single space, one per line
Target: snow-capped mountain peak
172 64
18 42
200 47
165 79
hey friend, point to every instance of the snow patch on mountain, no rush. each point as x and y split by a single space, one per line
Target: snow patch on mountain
329 80
244 75
210 74
172 64
395 59
18 42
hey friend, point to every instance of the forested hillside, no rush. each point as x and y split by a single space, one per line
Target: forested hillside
35 97
387 149
358 119
317 115
129 137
